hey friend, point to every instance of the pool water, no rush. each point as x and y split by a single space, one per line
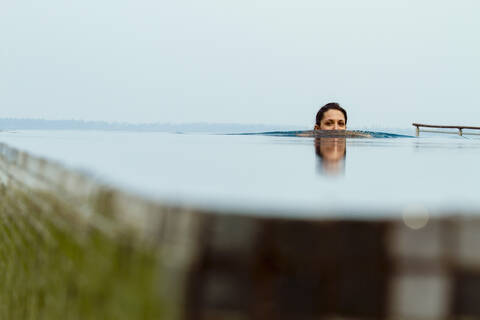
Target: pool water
279 175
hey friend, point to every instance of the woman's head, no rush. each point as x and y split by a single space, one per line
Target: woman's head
331 117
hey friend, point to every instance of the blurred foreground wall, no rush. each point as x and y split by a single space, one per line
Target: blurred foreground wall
74 249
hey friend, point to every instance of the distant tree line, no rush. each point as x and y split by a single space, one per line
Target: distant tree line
43 124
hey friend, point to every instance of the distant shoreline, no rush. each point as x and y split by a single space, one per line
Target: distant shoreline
44 124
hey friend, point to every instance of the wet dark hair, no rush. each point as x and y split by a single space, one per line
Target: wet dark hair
330 106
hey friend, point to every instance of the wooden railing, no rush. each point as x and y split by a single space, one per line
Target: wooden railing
460 128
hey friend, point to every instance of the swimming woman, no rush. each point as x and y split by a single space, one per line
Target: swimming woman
331 117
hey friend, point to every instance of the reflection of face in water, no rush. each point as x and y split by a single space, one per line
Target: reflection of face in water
331 153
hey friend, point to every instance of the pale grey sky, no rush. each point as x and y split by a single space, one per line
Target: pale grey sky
264 61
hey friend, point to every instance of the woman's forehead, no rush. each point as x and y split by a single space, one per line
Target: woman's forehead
334 114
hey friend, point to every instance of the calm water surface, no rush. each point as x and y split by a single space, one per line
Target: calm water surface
275 175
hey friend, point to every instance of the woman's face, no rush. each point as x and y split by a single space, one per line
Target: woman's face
332 120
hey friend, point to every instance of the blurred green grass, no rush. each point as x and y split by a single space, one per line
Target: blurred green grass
54 266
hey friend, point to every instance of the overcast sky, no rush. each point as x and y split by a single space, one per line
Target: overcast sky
389 63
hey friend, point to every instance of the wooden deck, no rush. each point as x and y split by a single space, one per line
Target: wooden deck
459 128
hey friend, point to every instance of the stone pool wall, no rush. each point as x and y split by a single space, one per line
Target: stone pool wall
71 248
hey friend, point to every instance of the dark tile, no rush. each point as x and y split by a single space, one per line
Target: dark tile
305 295
361 291
467 295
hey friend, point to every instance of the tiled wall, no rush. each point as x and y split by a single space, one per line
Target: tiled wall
337 270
